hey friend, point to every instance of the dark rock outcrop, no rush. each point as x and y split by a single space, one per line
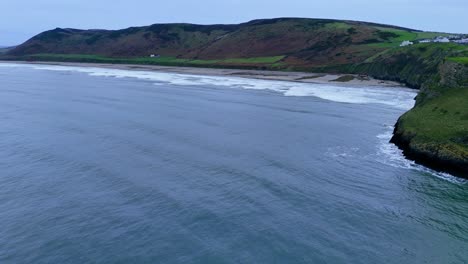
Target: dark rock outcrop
432 155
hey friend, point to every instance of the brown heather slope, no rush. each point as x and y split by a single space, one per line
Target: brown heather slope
304 42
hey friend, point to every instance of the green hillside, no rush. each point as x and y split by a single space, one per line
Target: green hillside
5 50
301 43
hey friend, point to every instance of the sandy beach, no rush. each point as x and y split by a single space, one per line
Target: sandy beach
303 77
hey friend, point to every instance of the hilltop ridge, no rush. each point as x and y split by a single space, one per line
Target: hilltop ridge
296 42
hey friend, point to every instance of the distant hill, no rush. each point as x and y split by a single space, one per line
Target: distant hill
434 133
5 49
294 42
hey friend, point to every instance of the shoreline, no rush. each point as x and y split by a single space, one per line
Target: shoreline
429 156
348 80
299 77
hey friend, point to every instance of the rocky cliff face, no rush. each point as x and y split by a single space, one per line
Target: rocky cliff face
435 132
435 155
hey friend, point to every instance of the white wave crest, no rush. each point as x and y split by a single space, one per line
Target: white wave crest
396 97
393 156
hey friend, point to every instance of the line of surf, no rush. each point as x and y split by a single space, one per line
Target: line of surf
393 156
396 97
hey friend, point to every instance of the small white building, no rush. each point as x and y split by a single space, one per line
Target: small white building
406 43
442 40
454 37
462 41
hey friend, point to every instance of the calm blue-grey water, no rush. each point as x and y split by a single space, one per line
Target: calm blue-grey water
109 166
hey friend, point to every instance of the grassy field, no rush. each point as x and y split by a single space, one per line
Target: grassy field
163 60
461 60
430 35
272 62
400 35
260 60
442 121
337 25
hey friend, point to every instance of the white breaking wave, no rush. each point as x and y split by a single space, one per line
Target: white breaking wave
396 97
341 152
394 157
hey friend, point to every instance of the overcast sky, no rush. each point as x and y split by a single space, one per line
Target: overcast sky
22 19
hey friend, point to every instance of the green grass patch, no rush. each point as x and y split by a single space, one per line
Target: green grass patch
423 50
461 60
274 61
163 61
70 56
443 119
337 25
259 60
383 45
402 35
430 35
375 56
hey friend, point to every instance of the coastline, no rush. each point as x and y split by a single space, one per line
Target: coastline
447 163
438 157
300 77
290 76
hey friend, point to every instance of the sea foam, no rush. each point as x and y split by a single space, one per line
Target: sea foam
391 155
396 97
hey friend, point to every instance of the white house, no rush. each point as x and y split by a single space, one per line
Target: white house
406 43
441 40
462 41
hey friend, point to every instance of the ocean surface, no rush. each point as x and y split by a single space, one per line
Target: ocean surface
115 166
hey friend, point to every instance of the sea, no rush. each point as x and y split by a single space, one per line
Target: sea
103 165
